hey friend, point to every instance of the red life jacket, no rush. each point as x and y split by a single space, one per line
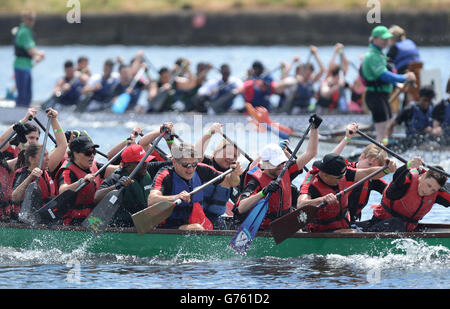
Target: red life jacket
5 190
332 216
85 198
157 156
274 201
46 185
410 208
363 195
13 151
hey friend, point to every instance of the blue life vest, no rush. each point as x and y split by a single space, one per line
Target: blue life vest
215 200
182 212
257 97
419 121
304 94
105 93
134 95
72 96
407 52
446 123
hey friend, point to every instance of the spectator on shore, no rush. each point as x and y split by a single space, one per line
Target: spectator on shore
26 52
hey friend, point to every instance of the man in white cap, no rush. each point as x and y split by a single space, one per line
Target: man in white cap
261 180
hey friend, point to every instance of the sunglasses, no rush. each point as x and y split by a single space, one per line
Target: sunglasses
188 165
89 152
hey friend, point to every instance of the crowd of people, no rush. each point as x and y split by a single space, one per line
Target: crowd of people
303 87
71 165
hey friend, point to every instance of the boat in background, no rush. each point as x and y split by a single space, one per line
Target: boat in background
10 114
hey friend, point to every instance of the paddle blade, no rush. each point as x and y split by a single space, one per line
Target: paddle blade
222 103
121 103
57 207
31 202
289 224
102 214
157 104
244 236
148 218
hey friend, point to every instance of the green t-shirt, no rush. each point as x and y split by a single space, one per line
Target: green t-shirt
24 39
374 64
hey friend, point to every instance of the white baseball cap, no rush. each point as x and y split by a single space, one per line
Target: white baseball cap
271 156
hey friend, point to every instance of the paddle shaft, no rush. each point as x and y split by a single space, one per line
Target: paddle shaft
136 77
155 142
237 147
44 144
398 156
294 153
8 139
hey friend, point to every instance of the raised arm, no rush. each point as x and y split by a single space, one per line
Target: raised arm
57 155
350 131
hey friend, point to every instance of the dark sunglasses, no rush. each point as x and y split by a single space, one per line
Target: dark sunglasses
188 165
90 152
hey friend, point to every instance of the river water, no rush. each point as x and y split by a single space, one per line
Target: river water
420 266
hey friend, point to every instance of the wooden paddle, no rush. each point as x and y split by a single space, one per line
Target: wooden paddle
146 219
289 224
121 103
103 213
58 206
246 233
33 193
397 91
398 156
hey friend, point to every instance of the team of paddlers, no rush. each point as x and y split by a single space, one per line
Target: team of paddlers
71 165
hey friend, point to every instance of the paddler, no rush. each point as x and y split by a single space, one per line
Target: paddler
328 177
260 180
80 167
408 198
135 195
27 168
175 182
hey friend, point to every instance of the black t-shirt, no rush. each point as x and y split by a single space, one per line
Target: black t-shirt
438 113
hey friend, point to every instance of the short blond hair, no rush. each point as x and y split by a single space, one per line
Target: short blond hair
372 151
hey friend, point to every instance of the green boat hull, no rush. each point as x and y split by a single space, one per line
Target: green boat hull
211 244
